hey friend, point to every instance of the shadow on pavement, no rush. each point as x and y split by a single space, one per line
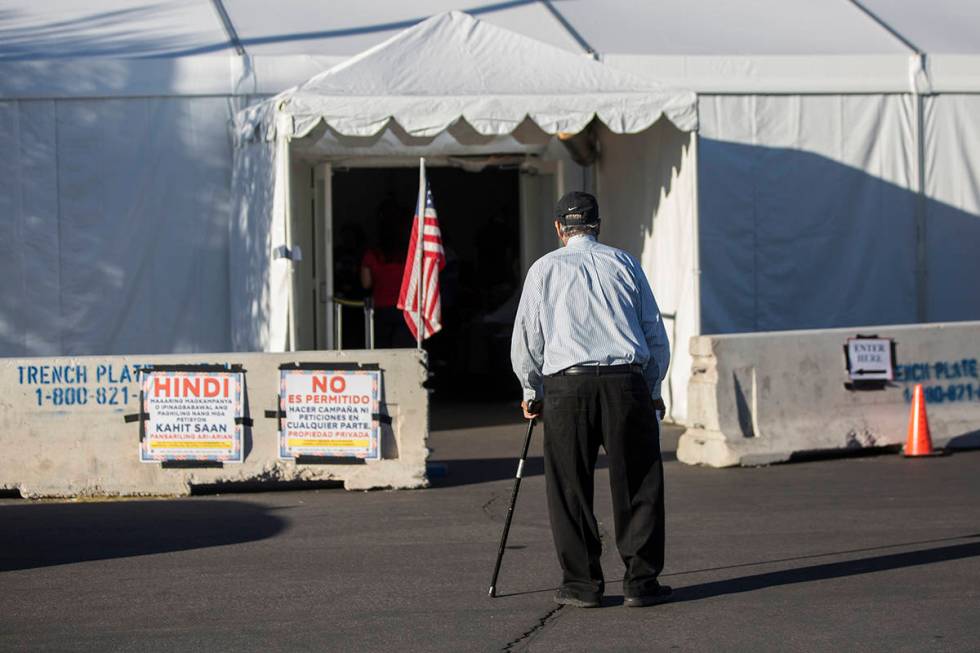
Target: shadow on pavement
455 473
447 415
964 442
485 470
811 556
828 571
803 574
40 535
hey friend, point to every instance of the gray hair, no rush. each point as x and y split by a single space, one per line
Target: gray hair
580 229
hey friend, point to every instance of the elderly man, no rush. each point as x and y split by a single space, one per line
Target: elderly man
590 345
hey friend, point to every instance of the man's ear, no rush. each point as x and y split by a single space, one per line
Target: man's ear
558 231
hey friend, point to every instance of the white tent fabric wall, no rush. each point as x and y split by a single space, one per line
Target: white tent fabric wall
250 238
114 231
952 207
647 195
806 211
30 310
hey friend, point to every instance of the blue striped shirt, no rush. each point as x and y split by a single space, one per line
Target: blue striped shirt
587 304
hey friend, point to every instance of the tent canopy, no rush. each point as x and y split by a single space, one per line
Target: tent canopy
142 48
57 29
453 67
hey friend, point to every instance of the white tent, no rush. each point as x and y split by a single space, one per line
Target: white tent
831 182
499 82
453 67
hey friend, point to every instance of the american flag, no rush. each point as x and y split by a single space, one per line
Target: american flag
431 261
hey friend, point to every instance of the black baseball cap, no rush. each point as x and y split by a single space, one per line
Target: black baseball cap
577 208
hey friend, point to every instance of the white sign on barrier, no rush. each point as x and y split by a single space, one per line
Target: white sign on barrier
870 359
329 413
191 416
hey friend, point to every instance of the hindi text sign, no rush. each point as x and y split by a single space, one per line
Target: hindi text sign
191 416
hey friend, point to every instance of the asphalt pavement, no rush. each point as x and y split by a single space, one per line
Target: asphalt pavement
874 553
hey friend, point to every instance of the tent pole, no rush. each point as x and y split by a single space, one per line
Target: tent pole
282 322
326 272
696 238
921 312
917 65
291 298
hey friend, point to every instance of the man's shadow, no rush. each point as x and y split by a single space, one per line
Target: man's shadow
830 570
810 573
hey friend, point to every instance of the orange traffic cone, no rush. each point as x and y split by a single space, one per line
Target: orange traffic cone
919 443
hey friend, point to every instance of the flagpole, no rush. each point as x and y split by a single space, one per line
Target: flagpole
420 212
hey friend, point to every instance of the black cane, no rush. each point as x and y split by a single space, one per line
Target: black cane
510 511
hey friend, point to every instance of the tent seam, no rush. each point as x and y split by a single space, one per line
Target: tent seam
753 103
19 230
57 193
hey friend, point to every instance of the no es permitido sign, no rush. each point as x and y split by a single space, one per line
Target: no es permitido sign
191 416
330 413
870 359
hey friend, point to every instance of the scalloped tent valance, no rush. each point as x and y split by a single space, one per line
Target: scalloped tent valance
453 67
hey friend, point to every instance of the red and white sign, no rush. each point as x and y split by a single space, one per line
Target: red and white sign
330 413
191 416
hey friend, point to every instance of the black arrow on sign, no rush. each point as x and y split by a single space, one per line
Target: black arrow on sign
870 371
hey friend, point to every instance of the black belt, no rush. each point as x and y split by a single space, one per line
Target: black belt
598 370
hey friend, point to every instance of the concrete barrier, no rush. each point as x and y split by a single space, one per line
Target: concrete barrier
58 440
761 398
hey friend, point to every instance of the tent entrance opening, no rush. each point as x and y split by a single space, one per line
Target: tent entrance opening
479 216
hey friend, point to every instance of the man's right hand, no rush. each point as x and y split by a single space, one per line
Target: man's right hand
659 408
532 409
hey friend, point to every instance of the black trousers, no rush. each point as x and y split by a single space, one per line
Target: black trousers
616 411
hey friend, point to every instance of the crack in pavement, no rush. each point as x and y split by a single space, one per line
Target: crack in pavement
524 641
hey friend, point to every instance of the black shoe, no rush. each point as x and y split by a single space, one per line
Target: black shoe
662 594
565 596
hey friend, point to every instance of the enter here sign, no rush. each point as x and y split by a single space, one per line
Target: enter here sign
870 359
